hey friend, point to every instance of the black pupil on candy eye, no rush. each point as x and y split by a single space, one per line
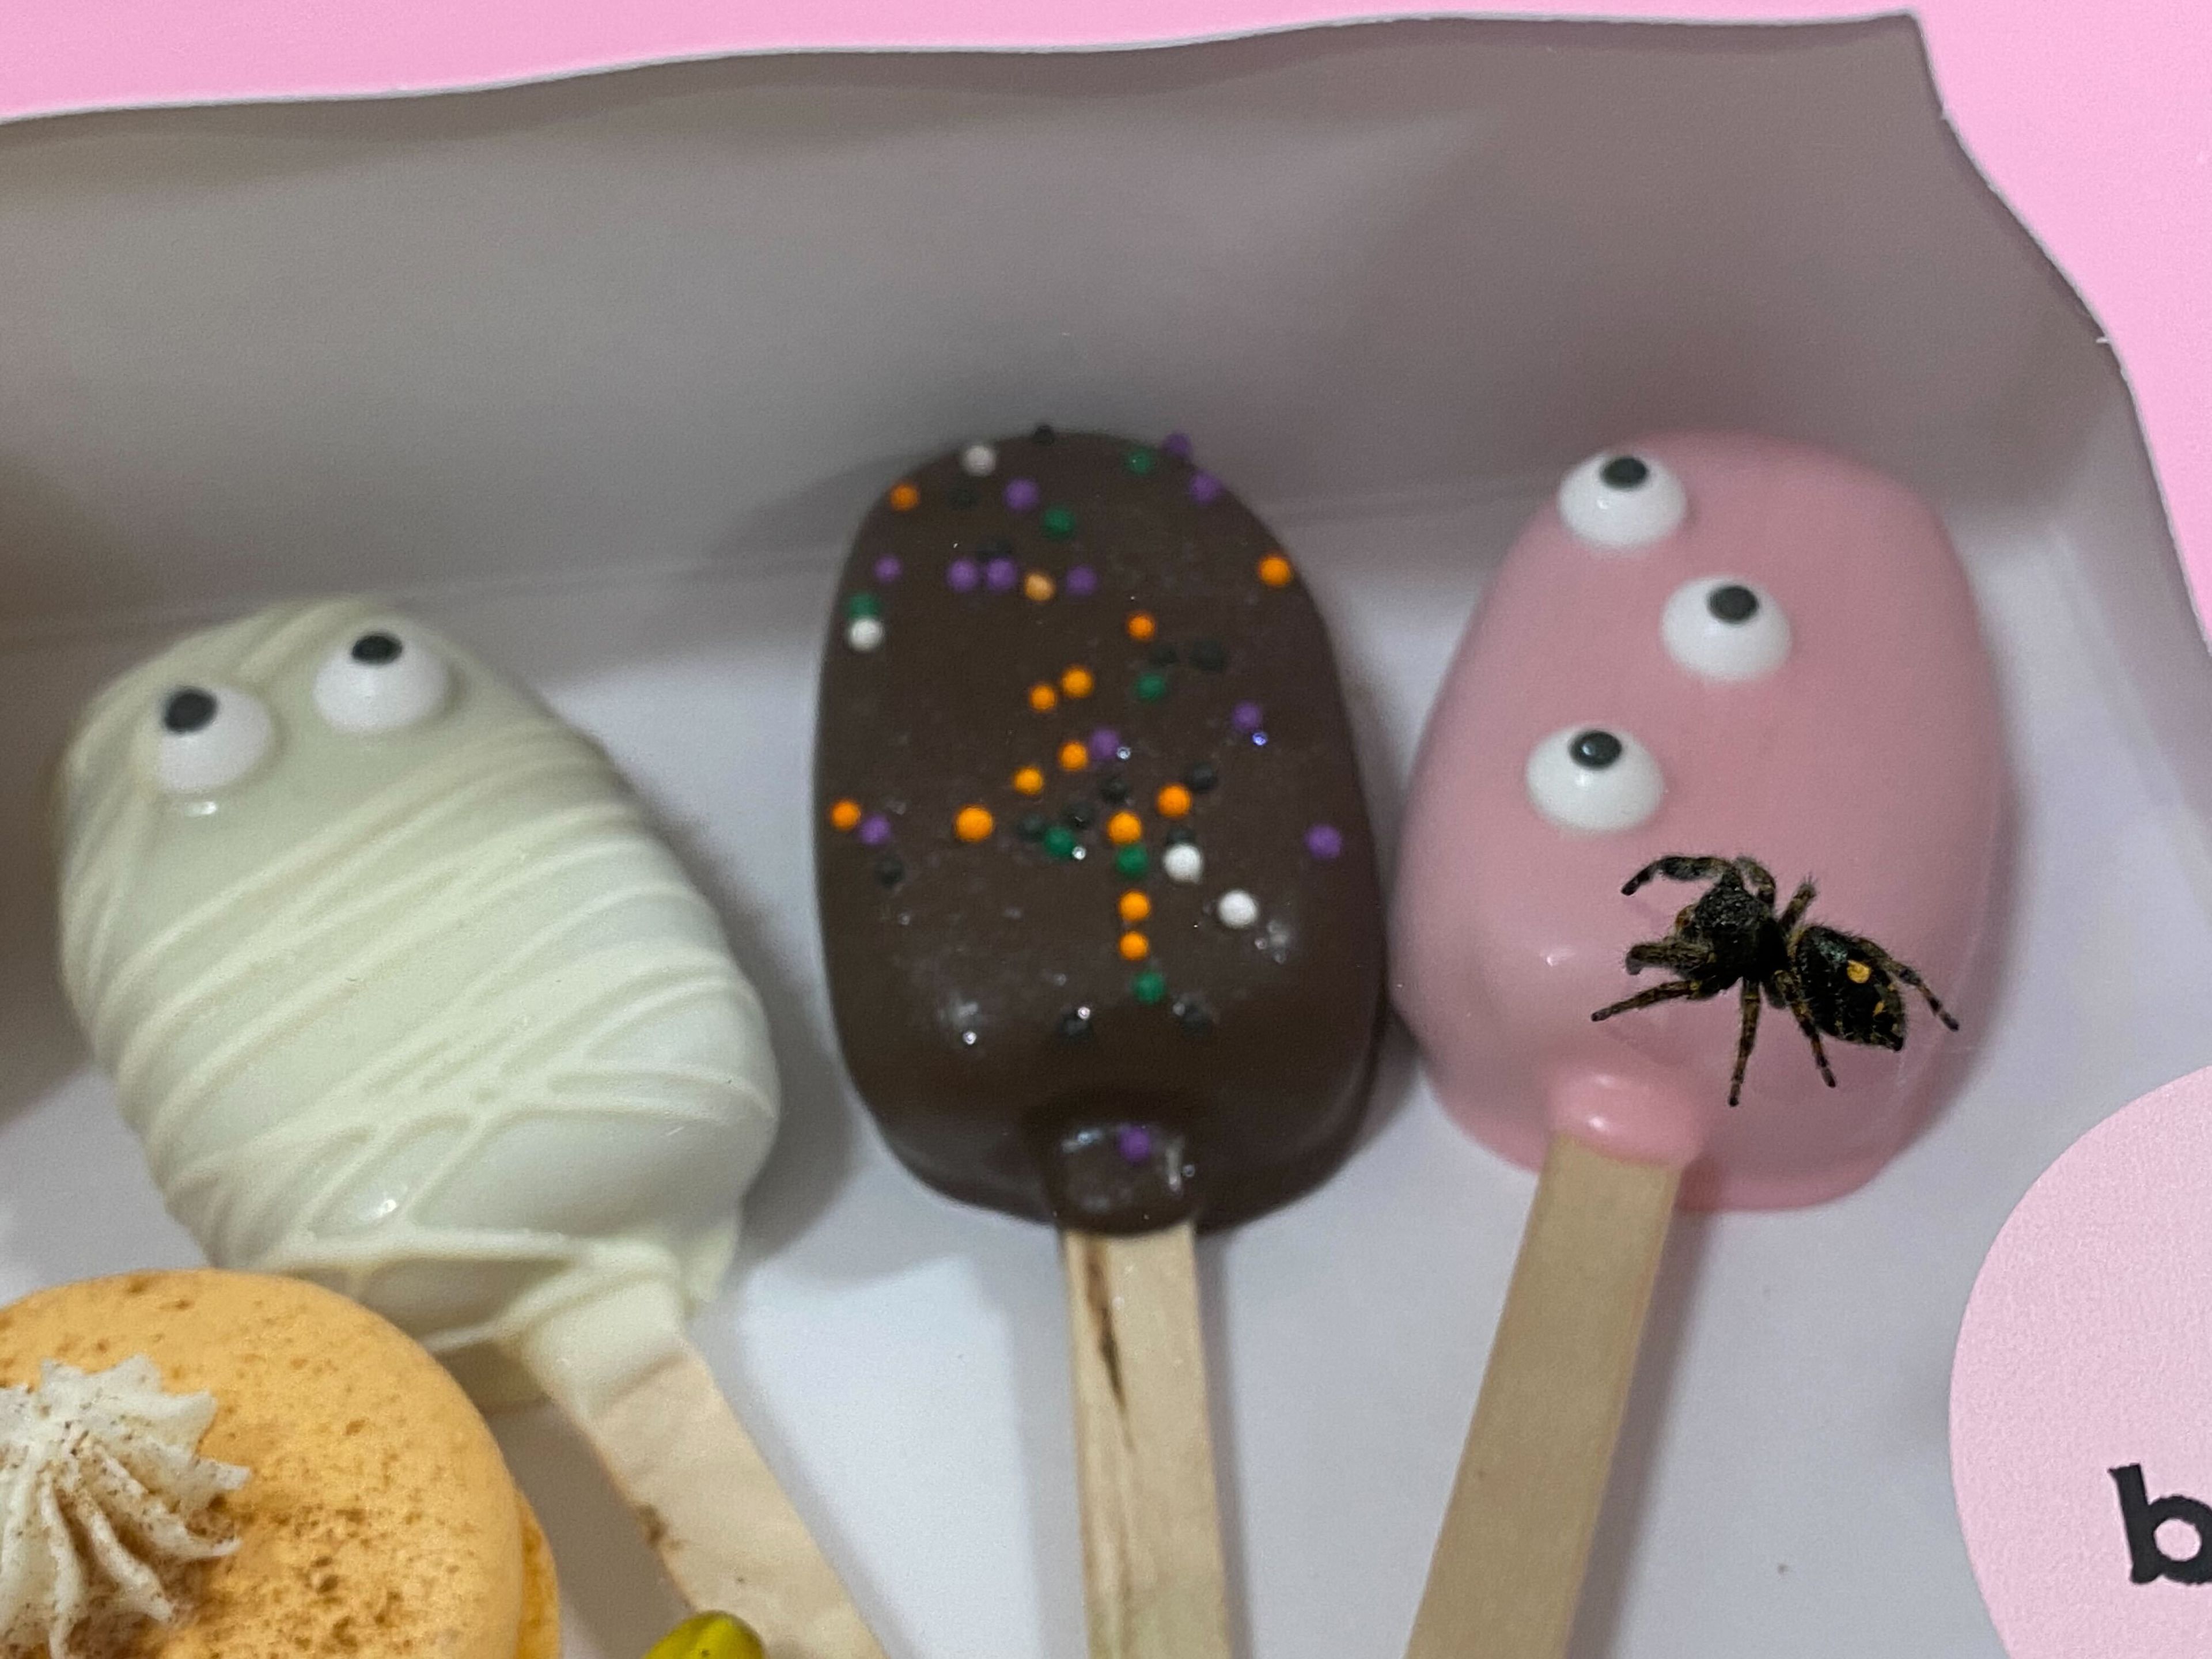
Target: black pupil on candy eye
375 649
1624 472
1733 603
189 710
1595 750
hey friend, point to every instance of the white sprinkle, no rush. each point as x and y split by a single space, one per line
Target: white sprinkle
1236 908
1183 862
979 460
865 633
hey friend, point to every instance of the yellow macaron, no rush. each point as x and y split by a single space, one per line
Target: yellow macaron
378 1516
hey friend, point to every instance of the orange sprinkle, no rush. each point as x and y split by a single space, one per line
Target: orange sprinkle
1029 781
1135 947
904 498
1275 570
1135 907
1123 828
1044 698
1038 585
1173 801
1077 682
974 824
1141 625
1074 757
845 814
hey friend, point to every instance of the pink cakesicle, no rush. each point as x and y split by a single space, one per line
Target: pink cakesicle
1708 647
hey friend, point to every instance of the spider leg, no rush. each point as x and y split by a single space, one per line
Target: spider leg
1681 955
1758 880
1676 867
1669 991
1800 903
1793 994
1897 970
1745 1037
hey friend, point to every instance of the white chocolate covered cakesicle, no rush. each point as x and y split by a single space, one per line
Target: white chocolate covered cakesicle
403 995
397 985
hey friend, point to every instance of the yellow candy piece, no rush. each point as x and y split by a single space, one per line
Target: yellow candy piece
709 1636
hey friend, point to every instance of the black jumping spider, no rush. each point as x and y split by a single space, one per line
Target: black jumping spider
1832 981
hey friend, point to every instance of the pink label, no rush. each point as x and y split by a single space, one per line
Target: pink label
2081 1397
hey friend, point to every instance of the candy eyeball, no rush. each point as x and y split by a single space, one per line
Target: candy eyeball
1616 502
209 737
382 679
1594 778
1724 629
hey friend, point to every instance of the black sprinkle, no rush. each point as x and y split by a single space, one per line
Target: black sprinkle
1033 826
188 710
1180 836
998 547
890 870
375 649
1163 656
1624 472
1114 787
1075 1023
1208 655
1080 815
1043 435
963 495
1193 1014
1202 777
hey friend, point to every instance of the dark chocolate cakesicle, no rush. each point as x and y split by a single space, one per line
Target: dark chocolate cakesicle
1099 892
1102 926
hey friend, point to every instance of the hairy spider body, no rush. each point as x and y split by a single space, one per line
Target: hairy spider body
1832 982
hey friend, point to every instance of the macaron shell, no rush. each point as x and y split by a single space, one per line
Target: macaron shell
541 1592
380 1518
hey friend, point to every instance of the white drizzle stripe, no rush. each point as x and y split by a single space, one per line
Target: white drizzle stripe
448 975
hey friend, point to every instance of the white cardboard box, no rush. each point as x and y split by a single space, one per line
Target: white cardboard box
600 373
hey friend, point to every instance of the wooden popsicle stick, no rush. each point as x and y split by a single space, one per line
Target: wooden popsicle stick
715 1513
1154 1582
1508 1564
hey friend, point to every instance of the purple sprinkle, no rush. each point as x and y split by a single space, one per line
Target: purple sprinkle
1259 739
1324 840
1245 717
1082 581
888 568
1135 1144
1205 488
875 829
1022 495
962 575
1177 444
1105 744
1000 573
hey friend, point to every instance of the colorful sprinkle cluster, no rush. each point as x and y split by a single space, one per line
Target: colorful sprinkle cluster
1109 822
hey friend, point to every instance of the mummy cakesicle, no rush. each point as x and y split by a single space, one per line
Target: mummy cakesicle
1099 907
1716 667
402 995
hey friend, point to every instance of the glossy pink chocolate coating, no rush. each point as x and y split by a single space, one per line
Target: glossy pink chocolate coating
1871 759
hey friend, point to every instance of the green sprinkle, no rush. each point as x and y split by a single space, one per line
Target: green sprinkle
1140 461
1152 686
1132 860
1059 842
1149 987
863 605
1058 522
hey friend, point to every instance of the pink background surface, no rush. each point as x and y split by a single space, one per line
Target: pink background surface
2093 121
2087 1346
